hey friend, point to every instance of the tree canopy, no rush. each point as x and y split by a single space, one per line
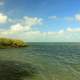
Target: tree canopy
7 42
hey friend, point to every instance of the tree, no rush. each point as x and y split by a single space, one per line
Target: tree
11 42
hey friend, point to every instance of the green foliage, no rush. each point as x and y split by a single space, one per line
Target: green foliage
6 42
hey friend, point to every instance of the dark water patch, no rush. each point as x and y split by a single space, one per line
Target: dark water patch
15 70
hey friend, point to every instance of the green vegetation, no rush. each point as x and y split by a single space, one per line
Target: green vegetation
15 43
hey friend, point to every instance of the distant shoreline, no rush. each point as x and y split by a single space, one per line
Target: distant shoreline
11 43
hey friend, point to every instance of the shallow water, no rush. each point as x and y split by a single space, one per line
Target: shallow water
56 61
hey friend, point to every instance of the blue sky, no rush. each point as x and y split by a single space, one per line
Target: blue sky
43 8
40 20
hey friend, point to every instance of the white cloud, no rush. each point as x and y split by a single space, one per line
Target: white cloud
3 18
31 20
61 31
70 29
73 29
69 34
51 33
25 24
19 28
77 17
16 28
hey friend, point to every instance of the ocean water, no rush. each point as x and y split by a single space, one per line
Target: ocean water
56 61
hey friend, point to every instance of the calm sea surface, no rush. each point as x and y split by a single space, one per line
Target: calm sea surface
57 61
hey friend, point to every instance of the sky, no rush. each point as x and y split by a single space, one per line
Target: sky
40 20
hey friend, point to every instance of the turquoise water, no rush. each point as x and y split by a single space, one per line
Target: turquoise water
56 61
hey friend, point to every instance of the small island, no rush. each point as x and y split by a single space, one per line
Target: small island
11 43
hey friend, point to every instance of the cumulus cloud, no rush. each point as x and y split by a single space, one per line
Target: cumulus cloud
77 17
70 29
17 27
25 24
3 18
73 29
61 31
32 20
37 36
